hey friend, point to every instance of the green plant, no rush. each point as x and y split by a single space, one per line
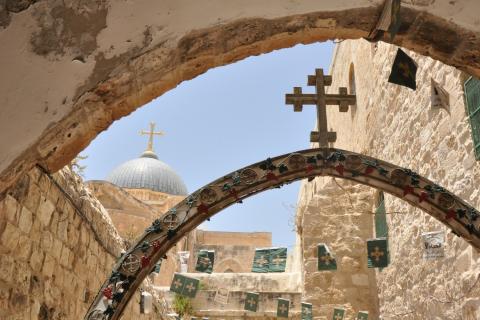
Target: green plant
182 305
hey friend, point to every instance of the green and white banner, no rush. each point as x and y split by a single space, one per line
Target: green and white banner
283 307
205 261
270 260
338 314
251 301
377 253
326 260
185 286
362 315
307 311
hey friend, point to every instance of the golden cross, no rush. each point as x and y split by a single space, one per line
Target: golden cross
262 261
377 253
326 259
190 287
251 302
204 261
151 133
277 261
338 317
306 311
405 70
283 308
177 283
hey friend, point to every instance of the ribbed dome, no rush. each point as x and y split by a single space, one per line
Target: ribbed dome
147 172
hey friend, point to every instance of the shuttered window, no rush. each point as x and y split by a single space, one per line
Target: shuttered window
381 227
472 97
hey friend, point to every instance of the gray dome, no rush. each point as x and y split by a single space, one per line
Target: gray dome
147 172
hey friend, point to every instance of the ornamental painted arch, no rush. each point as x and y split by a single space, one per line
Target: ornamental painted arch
132 268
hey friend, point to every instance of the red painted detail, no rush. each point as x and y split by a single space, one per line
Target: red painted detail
145 261
309 168
234 193
451 214
340 169
202 208
423 197
408 190
369 170
156 245
107 293
271 176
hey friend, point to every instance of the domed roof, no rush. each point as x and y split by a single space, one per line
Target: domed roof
147 172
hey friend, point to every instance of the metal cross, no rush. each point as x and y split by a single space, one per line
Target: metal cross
326 259
338 317
321 100
283 308
151 133
377 253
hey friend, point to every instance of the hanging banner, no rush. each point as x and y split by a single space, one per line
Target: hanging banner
377 250
269 260
222 295
307 312
205 261
283 306
433 244
362 315
404 71
185 286
326 261
439 96
251 301
338 314
183 257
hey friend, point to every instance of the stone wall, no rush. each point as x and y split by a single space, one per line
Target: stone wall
56 249
398 125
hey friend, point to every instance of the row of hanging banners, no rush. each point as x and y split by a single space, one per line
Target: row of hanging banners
274 260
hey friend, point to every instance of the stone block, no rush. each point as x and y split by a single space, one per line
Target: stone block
10 208
45 211
7 265
36 259
360 280
57 249
10 236
47 241
26 220
48 266
62 228
65 256
23 248
33 198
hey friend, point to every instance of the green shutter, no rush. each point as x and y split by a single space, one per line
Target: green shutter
381 227
472 97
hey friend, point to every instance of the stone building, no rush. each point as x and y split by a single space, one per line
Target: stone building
401 126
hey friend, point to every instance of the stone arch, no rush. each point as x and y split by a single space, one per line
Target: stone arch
403 183
92 72
228 265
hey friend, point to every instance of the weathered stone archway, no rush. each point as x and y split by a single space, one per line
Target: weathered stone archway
88 64
137 263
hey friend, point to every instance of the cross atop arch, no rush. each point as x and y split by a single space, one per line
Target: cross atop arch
151 133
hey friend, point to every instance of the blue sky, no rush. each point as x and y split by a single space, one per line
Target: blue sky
221 121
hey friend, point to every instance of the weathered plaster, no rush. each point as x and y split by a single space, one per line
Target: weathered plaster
108 58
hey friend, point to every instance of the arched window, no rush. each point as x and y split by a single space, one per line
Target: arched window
228 271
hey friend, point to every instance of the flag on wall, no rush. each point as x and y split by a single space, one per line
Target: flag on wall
433 244
205 261
404 71
338 314
307 312
377 250
251 301
270 260
283 306
362 315
326 261
439 96
185 286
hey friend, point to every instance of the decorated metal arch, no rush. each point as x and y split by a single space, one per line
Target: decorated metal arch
132 268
